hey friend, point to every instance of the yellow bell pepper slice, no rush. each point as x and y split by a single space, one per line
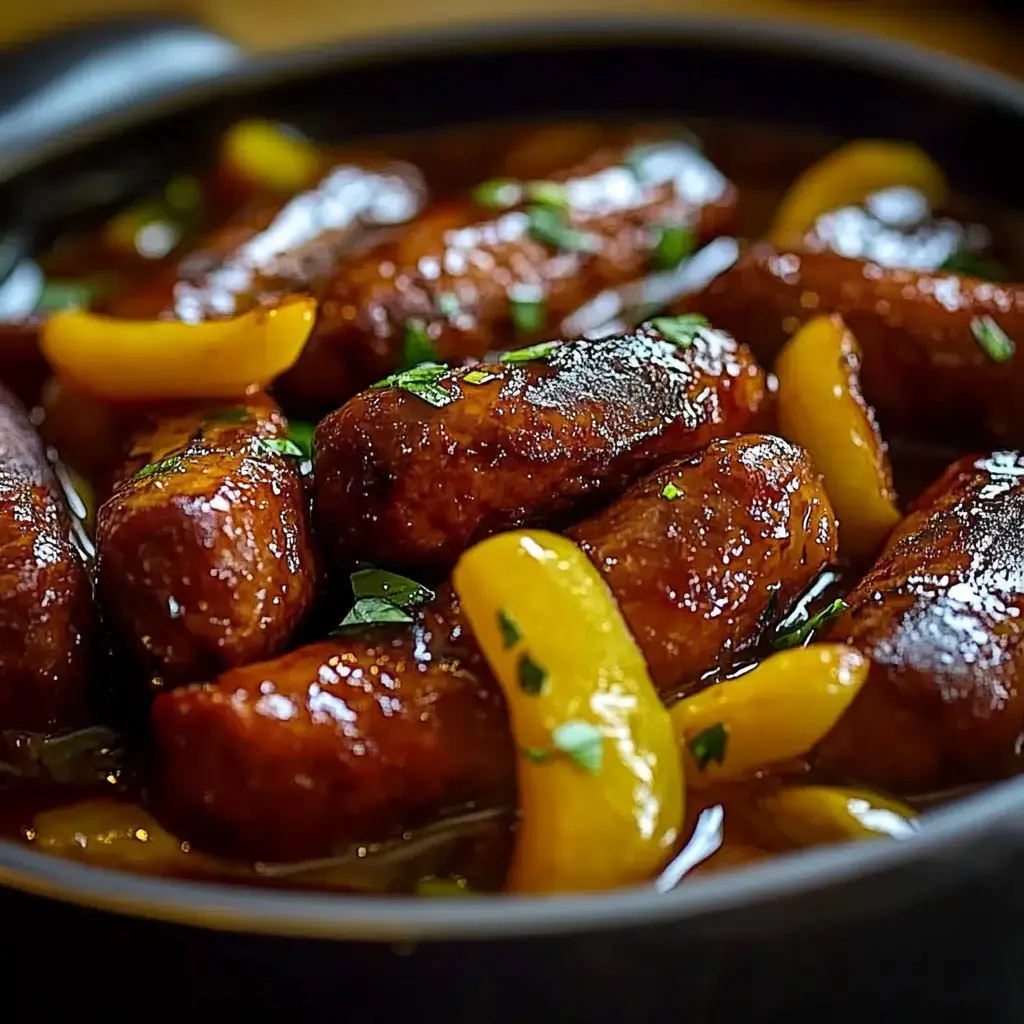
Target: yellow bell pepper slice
820 407
814 815
848 176
266 155
136 360
772 714
600 779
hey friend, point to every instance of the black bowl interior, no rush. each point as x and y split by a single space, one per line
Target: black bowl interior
846 85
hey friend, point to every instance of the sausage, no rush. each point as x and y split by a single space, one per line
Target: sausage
464 275
924 370
204 551
46 613
343 741
697 576
399 481
939 615
357 738
274 247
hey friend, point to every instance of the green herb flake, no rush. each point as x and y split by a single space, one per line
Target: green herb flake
796 636
498 194
300 433
370 611
538 755
281 446
709 745
417 345
531 676
547 193
479 377
975 264
379 584
448 304
510 633
675 243
174 464
550 225
582 743
442 888
529 316
531 353
65 295
680 330
238 414
422 381
998 346
670 492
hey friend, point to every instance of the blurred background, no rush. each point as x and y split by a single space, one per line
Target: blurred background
977 31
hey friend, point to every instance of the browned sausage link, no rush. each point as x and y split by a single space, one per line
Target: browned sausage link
45 595
474 280
205 556
924 370
346 740
353 739
273 247
403 482
695 552
940 617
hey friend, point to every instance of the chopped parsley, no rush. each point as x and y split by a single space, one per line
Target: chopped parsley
547 193
174 464
531 676
998 346
709 745
65 295
791 634
510 634
282 446
300 433
670 492
389 586
680 330
579 741
529 354
417 345
550 225
448 304
422 381
479 377
675 243
529 316
975 264
382 597
498 194
237 414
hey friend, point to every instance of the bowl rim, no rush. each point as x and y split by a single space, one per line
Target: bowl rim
971 822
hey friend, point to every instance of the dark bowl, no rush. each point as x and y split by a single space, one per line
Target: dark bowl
930 926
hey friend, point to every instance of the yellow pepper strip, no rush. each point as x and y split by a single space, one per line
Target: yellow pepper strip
820 407
266 155
774 713
600 780
814 815
847 177
136 360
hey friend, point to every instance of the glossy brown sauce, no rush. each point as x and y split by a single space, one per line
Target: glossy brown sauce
762 163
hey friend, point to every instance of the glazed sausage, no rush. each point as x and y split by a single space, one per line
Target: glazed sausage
205 556
45 594
347 740
940 617
695 575
355 739
400 481
462 272
274 247
924 370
